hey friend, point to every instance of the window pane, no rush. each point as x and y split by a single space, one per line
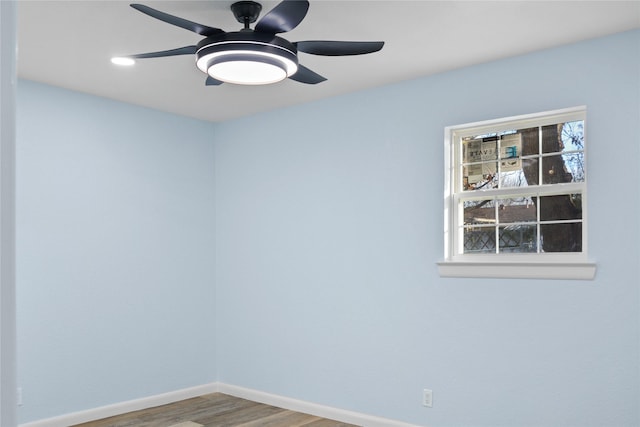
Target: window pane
514 210
574 165
477 149
561 207
480 176
478 156
510 161
561 237
567 138
554 170
551 138
531 171
479 240
518 238
530 141
511 146
479 212
573 136
513 179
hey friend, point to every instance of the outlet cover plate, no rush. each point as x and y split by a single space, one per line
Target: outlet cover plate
427 398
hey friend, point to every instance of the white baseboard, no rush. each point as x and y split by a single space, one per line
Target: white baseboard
337 414
341 415
124 407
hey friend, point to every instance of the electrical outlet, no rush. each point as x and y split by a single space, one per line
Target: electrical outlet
19 396
427 398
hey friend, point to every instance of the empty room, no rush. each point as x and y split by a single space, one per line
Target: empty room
425 216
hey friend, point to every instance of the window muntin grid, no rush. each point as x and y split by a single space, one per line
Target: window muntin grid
519 187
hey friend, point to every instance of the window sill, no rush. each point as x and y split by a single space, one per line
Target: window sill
518 270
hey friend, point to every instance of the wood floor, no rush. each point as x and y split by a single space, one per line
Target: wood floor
215 410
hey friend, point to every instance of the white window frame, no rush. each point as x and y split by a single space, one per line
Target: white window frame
518 265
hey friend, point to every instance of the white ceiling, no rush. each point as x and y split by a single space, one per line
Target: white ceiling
70 43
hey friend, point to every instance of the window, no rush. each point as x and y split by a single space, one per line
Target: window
515 197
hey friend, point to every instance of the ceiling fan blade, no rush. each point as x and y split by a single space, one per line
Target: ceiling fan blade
212 82
284 17
305 75
186 50
203 30
337 48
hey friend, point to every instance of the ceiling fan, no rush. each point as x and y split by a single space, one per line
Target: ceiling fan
258 55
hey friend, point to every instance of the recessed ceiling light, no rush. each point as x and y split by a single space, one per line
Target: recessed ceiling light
119 60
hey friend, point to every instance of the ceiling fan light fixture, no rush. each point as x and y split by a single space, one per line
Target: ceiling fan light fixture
247 62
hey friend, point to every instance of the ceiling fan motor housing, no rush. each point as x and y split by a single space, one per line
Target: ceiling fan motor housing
238 57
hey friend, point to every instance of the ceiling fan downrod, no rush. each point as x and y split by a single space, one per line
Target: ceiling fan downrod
246 12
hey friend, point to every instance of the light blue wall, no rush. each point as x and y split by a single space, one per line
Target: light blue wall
329 224
8 398
115 268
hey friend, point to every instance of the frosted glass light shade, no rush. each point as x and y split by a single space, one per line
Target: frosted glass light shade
247 70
